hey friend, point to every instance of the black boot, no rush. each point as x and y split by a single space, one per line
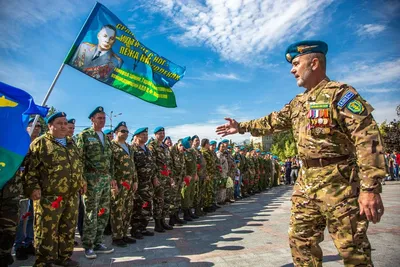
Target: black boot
194 216
198 212
165 225
172 220
186 215
178 220
158 227
21 254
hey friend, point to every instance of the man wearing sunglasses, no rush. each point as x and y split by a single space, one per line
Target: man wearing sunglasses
126 177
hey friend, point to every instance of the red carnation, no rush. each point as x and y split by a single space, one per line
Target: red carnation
164 172
101 212
186 180
56 203
145 205
219 168
26 215
198 167
126 185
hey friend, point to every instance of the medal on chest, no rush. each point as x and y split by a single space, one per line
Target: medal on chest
319 119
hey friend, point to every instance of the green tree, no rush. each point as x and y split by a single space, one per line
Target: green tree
391 133
284 145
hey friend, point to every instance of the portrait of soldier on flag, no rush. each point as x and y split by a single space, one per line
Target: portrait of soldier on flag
98 60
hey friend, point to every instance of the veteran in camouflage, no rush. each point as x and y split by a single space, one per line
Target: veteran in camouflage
201 172
126 177
178 173
162 158
147 179
52 178
340 146
98 172
225 169
210 173
191 171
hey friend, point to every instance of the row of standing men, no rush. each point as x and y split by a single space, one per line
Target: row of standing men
128 183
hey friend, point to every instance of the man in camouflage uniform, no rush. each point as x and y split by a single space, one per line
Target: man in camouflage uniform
97 160
147 180
198 202
244 172
191 171
162 192
221 197
126 178
230 175
341 149
252 171
210 173
52 178
217 181
178 173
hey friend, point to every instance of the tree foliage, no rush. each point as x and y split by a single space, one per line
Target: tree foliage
284 145
391 133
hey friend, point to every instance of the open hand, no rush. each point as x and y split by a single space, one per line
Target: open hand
231 127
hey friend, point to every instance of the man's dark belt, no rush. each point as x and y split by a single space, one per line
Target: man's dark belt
322 162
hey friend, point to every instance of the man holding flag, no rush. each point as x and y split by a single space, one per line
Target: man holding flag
15 107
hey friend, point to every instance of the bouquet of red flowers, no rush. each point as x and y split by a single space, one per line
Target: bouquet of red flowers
56 203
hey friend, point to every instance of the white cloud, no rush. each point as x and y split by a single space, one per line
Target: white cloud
370 30
379 90
368 74
215 76
203 130
238 30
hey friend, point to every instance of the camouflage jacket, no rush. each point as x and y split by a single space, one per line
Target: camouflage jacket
251 166
13 187
161 157
231 164
224 163
328 121
124 163
95 156
178 162
191 162
201 164
210 163
218 166
54 169
145 166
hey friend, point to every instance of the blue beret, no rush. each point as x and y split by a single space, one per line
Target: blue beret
242 148
71 121
225 141
55 116
108 131
95 111
258 150
195 136
305 47
158 129
275 157
229 147
122 123
186 142
262 153
213 142
140 130
148 141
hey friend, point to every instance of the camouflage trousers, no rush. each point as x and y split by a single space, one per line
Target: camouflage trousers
54 228
216 183
330 200
188 197
199 193
121 212
96 202
208 192
9 209
162 198
244 188
176 198
142 206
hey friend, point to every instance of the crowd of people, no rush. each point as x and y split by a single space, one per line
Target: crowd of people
392 161
97 178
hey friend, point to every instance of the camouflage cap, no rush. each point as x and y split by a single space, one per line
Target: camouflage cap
305 47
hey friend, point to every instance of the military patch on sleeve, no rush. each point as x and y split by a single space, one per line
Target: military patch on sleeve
345 99
355 106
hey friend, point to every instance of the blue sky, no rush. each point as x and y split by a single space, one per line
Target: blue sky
233 52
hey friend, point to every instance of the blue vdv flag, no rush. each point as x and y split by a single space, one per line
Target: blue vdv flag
15 107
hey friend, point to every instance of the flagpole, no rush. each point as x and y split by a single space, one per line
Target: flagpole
60 70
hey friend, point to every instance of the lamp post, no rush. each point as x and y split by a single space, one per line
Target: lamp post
111 116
